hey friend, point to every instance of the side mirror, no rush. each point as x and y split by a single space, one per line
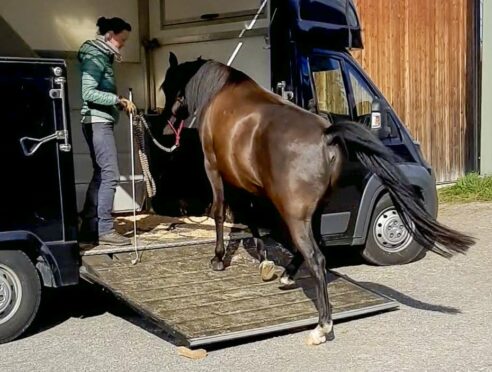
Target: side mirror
280 89
379 119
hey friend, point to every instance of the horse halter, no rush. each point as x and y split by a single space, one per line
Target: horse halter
180 101
174 109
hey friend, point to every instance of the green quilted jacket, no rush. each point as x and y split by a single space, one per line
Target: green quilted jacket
98 84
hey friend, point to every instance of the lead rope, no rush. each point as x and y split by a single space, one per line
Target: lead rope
138 125
142 156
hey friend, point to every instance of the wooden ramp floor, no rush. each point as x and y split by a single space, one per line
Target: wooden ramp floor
176 288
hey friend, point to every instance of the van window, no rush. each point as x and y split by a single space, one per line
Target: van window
330 89
363 96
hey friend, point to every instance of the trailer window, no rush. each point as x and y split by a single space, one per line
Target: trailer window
329 85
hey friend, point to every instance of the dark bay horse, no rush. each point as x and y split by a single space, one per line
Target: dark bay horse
257 141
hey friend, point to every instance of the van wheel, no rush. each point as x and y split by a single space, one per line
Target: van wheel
20 294
388 241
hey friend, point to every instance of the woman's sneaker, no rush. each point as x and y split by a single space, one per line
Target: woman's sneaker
114 238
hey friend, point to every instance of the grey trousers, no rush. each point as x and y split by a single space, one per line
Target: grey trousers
99 198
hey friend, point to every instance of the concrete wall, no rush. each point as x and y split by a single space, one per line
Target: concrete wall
486 130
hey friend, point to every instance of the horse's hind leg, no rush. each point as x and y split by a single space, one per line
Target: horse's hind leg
218 213
291 269
267 267
302 238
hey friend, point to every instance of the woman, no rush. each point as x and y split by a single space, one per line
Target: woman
99 115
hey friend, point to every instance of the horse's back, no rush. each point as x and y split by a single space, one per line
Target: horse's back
264 144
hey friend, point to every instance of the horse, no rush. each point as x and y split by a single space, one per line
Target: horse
265 145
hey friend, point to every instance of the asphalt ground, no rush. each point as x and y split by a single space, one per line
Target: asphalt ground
444 323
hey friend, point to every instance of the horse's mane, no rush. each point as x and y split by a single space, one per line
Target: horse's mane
208 81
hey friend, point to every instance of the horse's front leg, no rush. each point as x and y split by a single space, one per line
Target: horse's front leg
217 184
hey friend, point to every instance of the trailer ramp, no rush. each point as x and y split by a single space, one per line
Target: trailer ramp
177 290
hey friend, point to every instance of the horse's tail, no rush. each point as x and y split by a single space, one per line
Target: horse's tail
357 140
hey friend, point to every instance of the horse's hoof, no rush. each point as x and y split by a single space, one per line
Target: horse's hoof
217 265
287 281
319 336
315 340
331 335
267 270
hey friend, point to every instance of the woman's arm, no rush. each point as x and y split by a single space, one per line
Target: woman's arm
92 73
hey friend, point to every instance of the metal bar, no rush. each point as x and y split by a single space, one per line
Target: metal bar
61 82
39 61
132 152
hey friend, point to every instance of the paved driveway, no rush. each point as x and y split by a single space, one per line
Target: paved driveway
444 324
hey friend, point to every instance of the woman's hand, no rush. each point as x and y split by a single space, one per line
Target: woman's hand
128 105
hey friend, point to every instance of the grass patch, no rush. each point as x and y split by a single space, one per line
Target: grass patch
470 188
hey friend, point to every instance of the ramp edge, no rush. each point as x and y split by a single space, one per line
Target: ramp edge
196 342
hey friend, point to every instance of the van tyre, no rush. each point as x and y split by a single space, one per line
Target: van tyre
20 294
388 241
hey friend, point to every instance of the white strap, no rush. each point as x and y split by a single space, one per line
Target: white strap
243 31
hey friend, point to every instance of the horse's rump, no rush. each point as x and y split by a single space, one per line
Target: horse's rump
265 144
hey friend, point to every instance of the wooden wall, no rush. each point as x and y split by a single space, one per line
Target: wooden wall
423 56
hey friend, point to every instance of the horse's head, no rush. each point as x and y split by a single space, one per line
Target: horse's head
174 86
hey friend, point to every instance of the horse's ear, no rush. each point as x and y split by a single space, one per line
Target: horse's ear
173 60
200 58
